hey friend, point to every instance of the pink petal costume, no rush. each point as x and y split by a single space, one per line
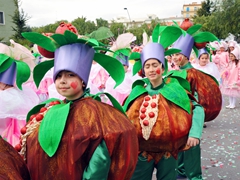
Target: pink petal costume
123 90
15 103
97 79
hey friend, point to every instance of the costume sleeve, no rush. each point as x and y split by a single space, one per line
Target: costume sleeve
197 119
99 164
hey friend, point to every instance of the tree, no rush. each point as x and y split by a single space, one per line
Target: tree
83 26
19 19
101 22
117 28
208 7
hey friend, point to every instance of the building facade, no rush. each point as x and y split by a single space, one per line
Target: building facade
190 10
7 8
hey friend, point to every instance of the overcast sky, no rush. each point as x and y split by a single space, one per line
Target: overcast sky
43 12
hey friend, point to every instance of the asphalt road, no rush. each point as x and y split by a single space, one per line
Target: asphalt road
220 145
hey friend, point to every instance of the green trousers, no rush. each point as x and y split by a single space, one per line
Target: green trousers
189 163
166 169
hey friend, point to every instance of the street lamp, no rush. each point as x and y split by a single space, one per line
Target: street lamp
128 16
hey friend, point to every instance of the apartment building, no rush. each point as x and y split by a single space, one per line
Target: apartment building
7 8
190 10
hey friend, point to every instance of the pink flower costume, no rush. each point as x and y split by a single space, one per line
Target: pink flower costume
123 90
97 78
15 100
231 80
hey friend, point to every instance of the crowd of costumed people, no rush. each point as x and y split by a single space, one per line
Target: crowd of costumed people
72 107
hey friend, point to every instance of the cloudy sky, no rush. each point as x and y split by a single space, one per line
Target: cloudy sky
43 12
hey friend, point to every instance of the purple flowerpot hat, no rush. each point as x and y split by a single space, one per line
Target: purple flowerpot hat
153 50
185 44
9 76
76 58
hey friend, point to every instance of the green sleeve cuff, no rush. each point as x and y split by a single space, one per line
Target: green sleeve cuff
99 164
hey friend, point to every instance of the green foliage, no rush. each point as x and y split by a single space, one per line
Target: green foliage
83 26
19 18
221 19
101 23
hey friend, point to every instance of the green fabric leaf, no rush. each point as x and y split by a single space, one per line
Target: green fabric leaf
171 51
194 29
112 66
169 35
70 37
175 93
102 49
204 37
195 50
60 39
155 33
124 51
41 40
178 73
101 33
40 70
90 42
5 62
165 67
23 73
114 102
52 127
136 91
140 82
135 56
137 67
37 108
176 24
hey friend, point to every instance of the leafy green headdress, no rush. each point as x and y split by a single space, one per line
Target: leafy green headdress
73 54
165 36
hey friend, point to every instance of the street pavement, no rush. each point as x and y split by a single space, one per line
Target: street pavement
220 145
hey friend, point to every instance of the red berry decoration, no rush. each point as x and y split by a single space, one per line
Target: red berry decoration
18 147
142 116
200 45
151 114
186 24
66 26
45 52
145 104
23 130
154 96
32 116
145 122
153 104
143 110
57 102
43 109
147 98
39 117
52 103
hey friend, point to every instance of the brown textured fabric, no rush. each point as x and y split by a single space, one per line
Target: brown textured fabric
12 166
170 132
209 94
89 122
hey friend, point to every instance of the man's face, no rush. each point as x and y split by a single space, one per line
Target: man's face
69 85
178 59
153 70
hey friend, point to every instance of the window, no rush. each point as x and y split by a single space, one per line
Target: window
187 9
187 15
195 8
1 18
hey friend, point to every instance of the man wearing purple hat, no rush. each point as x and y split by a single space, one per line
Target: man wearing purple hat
80 137
207 93
162 117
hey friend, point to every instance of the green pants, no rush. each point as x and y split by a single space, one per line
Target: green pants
166 169
189 163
